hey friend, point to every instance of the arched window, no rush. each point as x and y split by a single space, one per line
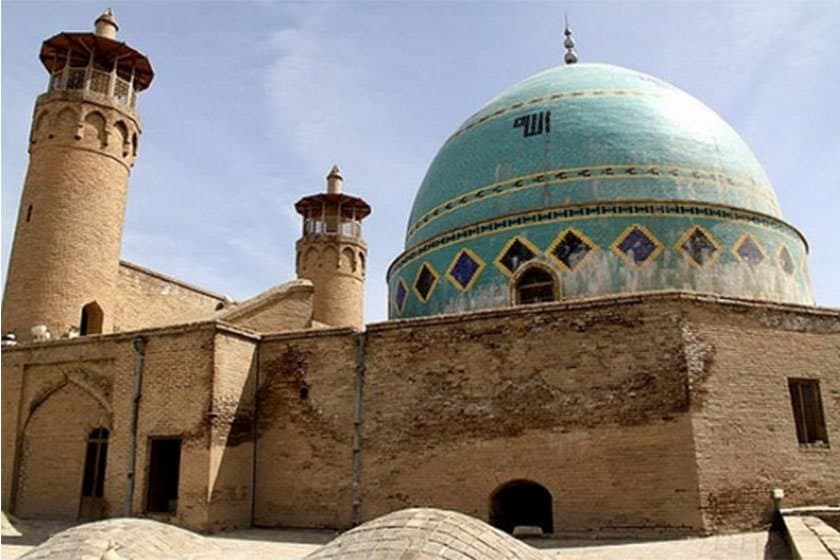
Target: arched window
96 457
533 285
521 503
91 322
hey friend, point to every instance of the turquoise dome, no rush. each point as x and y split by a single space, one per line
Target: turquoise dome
583 170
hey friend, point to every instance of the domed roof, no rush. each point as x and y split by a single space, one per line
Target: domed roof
124 538
613 181
425 533
614 133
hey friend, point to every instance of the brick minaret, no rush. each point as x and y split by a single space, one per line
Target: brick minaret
332 255
65 255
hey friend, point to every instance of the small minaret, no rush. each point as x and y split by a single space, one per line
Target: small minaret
65 256
332 254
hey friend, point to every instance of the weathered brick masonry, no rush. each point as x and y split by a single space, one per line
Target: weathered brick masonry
655 414
150 299
741 357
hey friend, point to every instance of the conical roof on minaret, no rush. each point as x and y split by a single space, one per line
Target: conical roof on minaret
77 48
349 206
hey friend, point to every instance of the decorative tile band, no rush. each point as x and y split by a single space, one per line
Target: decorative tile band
579 94
636 245
615 210
600 172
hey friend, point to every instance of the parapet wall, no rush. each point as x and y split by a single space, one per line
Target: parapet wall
147 299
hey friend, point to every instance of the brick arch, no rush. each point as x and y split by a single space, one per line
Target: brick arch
39 125
521 502
348 259
122 137
310 257
51 450
95 127
329 257
66 121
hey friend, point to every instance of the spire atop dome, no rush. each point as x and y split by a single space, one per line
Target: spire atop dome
571 56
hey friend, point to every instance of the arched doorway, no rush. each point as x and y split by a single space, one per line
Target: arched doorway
92 317
53 452
519 503
535 284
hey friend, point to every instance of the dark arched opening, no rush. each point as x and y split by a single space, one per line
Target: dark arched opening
521 503
93 480
534 285
92 317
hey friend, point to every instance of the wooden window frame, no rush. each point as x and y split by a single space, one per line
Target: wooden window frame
809 418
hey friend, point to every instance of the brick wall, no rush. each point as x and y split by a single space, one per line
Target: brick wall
66 388
742 418
148 299
587 401
602 403
177 381
232 431
60 392
306 403
663 414
11 386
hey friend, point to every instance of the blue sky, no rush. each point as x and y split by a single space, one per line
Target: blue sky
253 102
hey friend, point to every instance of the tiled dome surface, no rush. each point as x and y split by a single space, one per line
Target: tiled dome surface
612 180
595 117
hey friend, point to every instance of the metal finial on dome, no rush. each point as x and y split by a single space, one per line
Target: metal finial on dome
571 56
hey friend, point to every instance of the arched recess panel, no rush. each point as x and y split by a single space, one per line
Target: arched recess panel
53 452
122 137
66 121
348 260
39 126
95 128
329 258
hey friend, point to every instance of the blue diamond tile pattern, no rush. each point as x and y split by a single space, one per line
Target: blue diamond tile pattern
464 269
400 296
699 247
571 250
786 260
516 254
637 246
750 251
425 281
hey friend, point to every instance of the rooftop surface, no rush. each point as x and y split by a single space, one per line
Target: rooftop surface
288 544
